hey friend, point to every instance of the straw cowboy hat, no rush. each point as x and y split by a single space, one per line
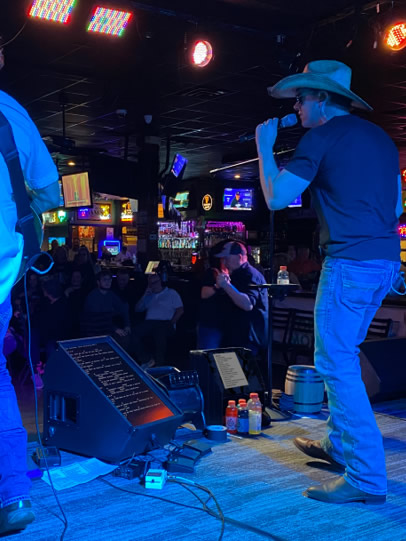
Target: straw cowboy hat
329 75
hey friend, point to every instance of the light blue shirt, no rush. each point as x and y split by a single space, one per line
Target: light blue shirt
39 171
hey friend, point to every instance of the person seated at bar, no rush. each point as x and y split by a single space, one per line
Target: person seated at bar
123 256
104 312
163 307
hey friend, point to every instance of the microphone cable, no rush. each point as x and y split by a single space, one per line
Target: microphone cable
64 520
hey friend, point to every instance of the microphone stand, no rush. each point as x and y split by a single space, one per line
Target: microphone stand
279 292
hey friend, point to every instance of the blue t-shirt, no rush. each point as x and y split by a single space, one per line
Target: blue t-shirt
248 328
353 168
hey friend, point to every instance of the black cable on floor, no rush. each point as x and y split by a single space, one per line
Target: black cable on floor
227 520
64 520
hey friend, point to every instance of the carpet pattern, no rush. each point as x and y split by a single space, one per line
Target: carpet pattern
257 482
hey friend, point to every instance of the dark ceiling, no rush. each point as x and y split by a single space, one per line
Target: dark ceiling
106 85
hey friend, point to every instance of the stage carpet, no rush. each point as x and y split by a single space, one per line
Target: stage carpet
258 483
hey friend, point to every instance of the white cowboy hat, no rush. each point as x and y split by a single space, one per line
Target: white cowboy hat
329 75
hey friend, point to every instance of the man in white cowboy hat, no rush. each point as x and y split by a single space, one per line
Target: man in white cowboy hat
351 168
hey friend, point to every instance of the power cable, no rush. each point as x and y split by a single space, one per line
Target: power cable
64 520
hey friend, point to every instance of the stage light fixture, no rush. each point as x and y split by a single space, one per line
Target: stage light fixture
52 10
395 36
202 53
109 21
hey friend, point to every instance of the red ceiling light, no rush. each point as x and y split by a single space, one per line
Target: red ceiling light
202 53
109 21
395 36
52 10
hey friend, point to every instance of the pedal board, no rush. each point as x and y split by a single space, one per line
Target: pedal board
50 456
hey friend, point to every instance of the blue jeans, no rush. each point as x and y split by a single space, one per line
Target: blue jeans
348 296
14 483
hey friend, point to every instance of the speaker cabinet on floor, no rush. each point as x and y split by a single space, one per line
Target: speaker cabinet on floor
384 360
98 402
216 379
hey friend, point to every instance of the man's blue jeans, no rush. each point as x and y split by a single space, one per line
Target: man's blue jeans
14 483
349 294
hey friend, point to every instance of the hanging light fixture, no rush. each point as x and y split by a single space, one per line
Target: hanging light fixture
52 10
109 21
395 36
202 53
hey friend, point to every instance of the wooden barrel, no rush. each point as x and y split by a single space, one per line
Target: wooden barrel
306 386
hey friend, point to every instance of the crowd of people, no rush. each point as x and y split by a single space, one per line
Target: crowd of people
81 298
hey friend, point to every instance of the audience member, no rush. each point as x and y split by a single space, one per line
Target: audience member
61 268
75 296
246 318
83 262
123 256
127 290
54 246
163 307
74 250
53 324
213 303
34 292
104 312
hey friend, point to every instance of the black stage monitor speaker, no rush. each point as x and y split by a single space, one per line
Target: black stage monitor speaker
221 379
383 368
98 402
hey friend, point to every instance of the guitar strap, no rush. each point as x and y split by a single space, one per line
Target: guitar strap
25 218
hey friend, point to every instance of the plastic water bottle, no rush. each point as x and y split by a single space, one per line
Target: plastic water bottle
240 402
231 417
283 276
243 419
254 414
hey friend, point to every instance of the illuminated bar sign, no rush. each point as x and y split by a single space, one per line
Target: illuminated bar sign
101 212
402 230
126 212
403 178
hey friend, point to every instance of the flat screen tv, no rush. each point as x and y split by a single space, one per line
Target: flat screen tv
76 190
296 202
181 200
237 199
60 240
178 165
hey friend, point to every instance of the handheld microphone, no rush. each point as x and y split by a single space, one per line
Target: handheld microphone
285 122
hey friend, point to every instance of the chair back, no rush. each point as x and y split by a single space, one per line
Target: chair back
300 339
379 328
